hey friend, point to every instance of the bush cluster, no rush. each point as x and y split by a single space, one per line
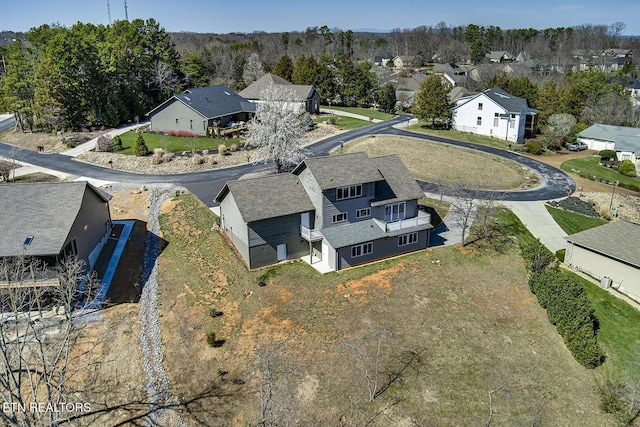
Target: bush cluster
607 154
534 148
116 142
566 303
627 168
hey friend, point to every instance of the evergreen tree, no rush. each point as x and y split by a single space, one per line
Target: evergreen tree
284 67
140 147
387 98
432 101
304 70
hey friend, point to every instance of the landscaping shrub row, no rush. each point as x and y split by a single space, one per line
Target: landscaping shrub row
566 303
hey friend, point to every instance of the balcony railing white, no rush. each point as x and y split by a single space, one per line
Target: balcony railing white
310 235
422 219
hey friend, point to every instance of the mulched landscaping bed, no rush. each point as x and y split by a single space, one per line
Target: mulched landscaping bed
575 204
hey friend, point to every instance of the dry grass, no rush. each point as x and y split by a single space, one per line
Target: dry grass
435 162
470 315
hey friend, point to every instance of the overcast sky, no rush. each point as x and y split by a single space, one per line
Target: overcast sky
214 16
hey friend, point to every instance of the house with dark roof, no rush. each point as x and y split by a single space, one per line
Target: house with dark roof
499 56
200 110
306 97
53 220
609 253
497 113
407 89
336 211
625 141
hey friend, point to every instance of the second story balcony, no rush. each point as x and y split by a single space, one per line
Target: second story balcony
423 218
309 234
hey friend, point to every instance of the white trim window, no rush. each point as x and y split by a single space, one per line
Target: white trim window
341 217
496 120
512 124
394 212
479 121
479 106
407 239
362 249
363 213
349 192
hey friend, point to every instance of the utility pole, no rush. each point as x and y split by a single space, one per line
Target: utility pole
126 15
109 12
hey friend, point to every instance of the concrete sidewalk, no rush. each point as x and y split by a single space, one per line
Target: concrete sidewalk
90 145
347 114
540 223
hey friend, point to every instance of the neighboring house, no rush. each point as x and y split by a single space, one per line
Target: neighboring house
625 141
340 211
610 253
459 92
631 86
455 74
407 88
306 97
200 110
499 56
50 221
408 61
382 60
494 112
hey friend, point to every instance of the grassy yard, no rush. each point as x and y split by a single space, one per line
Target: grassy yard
173 144
462 136
464 322
589 167
572 222
432 161
374 114
342 122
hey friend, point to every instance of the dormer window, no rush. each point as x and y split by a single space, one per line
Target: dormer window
349 192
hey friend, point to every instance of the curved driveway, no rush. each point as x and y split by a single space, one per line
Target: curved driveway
205 185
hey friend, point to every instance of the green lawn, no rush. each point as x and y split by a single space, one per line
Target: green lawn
173 144
363 112
342 122
588 167
461 136
572 222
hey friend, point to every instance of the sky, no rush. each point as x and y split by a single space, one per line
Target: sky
246 16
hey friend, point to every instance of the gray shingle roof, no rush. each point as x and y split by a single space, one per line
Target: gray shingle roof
361 232
268 196
618 240
45 211
211 102
398 184
625 138
511 103
254 90
340 171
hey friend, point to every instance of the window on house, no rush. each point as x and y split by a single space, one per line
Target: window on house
625 157
349 192
341 217
496 120
362 213
479 121
512 123
480 106
363 249
177 121
191 124
394 212
407 239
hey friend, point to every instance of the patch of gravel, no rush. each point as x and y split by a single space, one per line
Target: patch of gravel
157 384
578 205
184 164
628 206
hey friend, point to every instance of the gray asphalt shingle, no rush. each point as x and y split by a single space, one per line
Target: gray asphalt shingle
618 239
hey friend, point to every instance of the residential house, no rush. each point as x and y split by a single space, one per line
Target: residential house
631 86
53 220
407 88
338 211
455 74
495 112
625 141
200 110
408 61
382 60
609 253
305 97
499 56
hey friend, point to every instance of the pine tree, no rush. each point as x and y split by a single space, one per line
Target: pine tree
140 147
432 102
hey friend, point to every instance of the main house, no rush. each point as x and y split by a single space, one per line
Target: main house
495 112
201 110
610 254
339 211
625 141
50 221
305 97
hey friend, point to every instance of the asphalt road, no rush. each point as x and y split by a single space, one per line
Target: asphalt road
7 123
205 185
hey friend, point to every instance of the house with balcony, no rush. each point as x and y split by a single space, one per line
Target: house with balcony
349 210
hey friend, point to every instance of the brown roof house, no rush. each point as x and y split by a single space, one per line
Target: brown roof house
50 221
609 253
336 211
306 96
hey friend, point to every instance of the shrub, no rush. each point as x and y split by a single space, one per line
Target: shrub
116 142
158 151
560 253
632 187
197 159
607 154
215 313
222 149
156 159
537 257
534 148
211 339
140 147
167 157
627 168
171 132
104 143
212 160
234 147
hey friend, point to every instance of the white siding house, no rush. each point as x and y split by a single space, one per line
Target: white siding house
493 112
625 141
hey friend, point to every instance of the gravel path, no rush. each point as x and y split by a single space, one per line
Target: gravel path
162 410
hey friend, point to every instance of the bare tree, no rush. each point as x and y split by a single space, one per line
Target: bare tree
277 403
464 207
252 69
38 329
278 129
559 126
